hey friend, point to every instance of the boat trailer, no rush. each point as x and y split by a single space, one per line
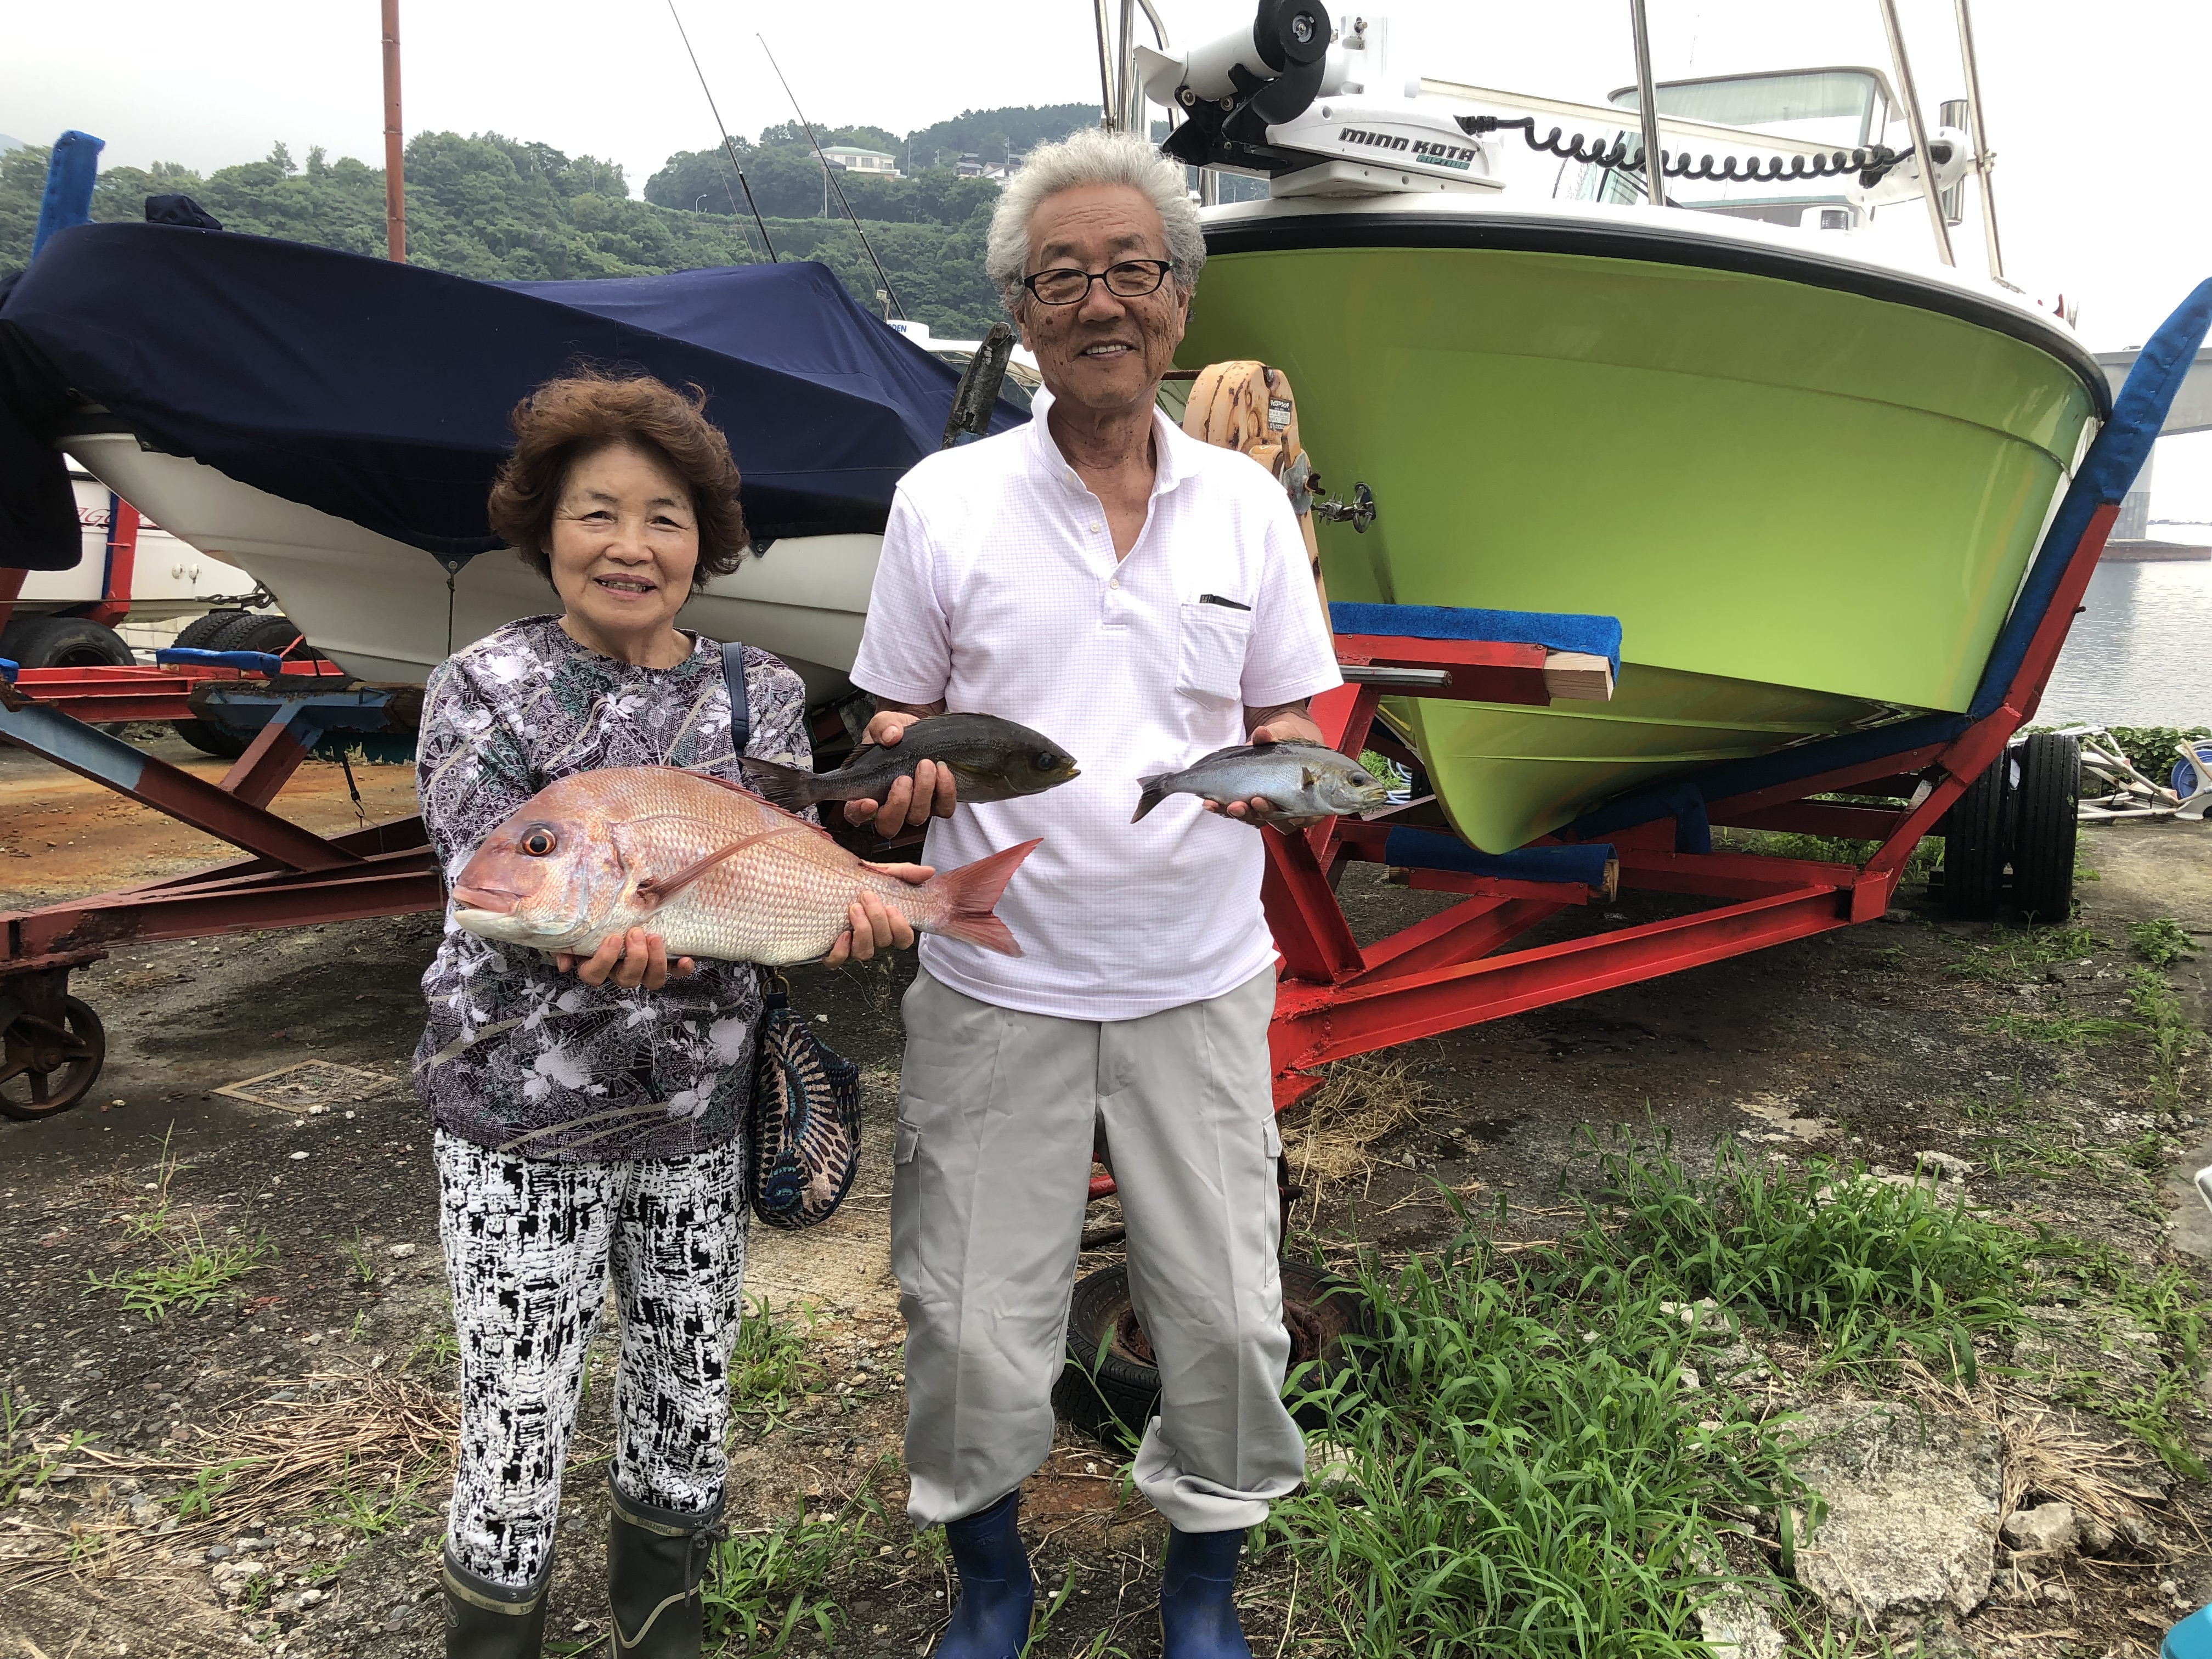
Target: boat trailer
1335 998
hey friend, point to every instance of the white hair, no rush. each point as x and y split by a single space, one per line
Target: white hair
1093 156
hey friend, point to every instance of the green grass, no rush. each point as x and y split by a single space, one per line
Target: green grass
2023 953
194 1273
2161 943
1529 1471
1828 849
2172 1037
371 1511
1871 1271
2060 1030
207 1488
769 1368
768 1587
23 1467
364 1266
441 1348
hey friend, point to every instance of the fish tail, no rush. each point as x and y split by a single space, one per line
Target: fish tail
967 895
786 786
1156 791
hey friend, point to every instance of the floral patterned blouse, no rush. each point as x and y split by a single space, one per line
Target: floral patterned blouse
519 1056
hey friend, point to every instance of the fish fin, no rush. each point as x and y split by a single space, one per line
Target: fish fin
969 893
1308 777
657 890
786 786
1154 792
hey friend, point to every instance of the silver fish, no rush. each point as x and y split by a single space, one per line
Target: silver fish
1298 779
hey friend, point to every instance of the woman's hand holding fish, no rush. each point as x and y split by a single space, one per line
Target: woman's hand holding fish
931 792
633 959
871 927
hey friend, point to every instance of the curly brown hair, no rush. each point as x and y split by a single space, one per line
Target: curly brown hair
579 413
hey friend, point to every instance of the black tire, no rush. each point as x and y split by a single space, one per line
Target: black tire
64 642
46 1069
1975 843
2045 825
1111 1394
235 630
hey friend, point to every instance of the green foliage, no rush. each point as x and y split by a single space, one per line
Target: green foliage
1867 1267
1529 1471
764 1587
989 133
2161 943
2171 1034
2018 954
1828 849
2060 1030
768 1365
2151 747
191 1273
24 1466
499 209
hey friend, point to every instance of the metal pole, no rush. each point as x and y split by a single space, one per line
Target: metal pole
1106 102
1984 162
1124 71
395 190
1911 97
1646 107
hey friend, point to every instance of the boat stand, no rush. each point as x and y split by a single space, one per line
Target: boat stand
51 1045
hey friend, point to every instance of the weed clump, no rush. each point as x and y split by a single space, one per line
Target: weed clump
2161 943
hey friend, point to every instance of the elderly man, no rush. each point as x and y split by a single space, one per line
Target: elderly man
1142 600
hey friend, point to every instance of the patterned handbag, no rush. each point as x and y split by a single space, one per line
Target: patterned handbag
803 1128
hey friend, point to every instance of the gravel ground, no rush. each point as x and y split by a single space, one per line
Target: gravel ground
327 1358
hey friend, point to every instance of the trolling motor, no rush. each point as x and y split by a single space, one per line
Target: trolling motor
1317 109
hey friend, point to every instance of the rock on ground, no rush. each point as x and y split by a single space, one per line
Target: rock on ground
2045 1529
1911 1521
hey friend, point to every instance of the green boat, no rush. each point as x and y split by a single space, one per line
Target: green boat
1806 476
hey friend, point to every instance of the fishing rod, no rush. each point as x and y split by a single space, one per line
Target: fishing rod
728 149
889 292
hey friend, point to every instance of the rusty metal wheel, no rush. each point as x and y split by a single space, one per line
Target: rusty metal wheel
47 1065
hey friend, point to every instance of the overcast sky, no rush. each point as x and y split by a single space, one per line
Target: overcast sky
2095 111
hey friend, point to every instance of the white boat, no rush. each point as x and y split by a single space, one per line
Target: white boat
133 582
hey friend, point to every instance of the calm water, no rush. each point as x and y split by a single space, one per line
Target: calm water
2141 654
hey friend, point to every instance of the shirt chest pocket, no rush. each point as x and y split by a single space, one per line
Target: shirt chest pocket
1211 640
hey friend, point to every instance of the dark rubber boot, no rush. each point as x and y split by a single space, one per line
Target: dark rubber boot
1197 1603
656 1562
997 1594
485 1620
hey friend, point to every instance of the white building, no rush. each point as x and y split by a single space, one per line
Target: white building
854 158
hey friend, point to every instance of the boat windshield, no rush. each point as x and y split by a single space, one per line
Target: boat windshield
1844 107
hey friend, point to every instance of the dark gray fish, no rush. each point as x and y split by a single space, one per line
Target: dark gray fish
1299 780
993 759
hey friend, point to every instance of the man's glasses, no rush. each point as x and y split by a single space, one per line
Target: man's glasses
1132 279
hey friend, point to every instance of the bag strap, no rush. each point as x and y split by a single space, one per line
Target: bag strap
741 709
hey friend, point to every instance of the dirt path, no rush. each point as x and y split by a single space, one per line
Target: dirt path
302 1400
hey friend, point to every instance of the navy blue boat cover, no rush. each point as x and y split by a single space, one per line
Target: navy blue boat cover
380 392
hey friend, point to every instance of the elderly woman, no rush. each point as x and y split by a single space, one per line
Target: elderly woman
588 1110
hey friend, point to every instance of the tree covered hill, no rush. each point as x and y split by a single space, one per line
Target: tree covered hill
496 208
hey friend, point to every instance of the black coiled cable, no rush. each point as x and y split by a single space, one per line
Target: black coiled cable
1870 164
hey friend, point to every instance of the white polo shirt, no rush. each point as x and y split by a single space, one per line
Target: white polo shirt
998 593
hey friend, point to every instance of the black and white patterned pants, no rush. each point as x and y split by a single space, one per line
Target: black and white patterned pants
529 1244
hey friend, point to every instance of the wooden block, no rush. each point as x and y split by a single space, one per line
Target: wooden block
1578 677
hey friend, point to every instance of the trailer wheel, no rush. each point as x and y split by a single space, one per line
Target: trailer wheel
46 1068
235 630
64 642
1110 1387
1975 843
2046 825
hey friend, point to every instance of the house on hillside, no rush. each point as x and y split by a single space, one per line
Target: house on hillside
854 158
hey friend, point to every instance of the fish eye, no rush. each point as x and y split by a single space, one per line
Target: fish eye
1048 761
538 842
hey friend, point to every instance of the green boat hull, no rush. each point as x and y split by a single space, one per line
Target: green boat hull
1808 506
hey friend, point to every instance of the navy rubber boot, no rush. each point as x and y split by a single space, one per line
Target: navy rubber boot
997 1594
1197 1603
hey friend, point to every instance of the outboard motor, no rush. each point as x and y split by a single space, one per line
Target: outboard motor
1317 110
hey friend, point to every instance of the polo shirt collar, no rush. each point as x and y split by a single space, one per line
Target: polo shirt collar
1171 459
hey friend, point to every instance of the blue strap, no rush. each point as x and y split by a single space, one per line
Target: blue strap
1432 849
1553 630
248 662
741 708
